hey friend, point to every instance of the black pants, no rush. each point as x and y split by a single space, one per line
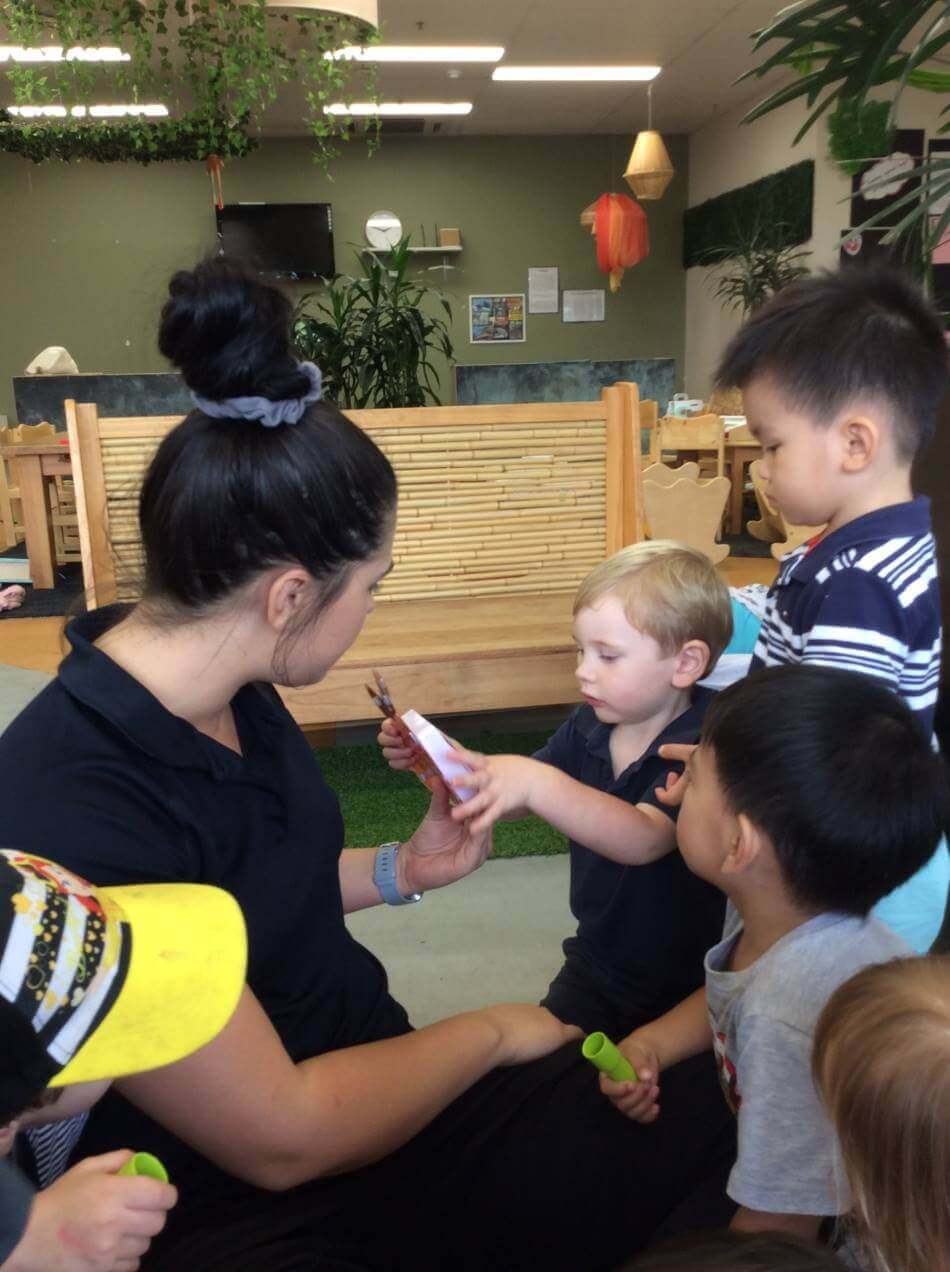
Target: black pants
531 1168
578 995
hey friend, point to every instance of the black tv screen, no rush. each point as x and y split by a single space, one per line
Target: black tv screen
284 240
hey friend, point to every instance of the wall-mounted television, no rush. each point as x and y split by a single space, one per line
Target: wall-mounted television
282 240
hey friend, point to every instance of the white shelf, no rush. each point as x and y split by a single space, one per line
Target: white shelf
441 251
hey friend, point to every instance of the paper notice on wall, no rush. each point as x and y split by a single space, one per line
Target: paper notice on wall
584 306
543 293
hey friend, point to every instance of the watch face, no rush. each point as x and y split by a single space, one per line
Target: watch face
383 230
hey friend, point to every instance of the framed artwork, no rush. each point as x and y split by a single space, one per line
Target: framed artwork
492 319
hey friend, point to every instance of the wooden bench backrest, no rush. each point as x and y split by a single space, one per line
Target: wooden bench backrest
493 500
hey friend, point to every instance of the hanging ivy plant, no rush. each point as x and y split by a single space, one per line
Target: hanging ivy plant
136 141
217 65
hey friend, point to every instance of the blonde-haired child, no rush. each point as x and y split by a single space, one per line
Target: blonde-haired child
649 622
882 1063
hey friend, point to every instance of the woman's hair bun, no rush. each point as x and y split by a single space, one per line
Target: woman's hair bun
228 333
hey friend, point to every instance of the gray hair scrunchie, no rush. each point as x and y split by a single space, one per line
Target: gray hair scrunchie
262 409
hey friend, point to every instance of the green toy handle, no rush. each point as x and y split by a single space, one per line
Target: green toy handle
601 1052
145 1164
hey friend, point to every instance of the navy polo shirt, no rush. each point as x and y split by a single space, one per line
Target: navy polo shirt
642 931
106 781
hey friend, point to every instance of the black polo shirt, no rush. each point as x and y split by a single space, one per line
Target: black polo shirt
642 931
102 778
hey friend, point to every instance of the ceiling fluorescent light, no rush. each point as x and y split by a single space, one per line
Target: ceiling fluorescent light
54 53
38 112
398 108
576 74
418 53
97 112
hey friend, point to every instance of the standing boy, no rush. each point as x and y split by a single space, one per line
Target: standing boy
649 622
842 375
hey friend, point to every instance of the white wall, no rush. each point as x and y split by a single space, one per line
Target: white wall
724 155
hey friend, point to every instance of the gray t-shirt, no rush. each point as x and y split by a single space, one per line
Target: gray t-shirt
763 1021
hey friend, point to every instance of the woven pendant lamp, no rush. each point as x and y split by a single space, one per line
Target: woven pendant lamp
650 169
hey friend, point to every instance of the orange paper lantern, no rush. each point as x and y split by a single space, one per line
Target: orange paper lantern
623 239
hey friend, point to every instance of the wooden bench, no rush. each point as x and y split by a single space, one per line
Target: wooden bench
502 511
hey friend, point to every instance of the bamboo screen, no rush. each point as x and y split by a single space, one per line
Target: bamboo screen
512 503
493 501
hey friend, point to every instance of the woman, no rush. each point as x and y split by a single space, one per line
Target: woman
162 752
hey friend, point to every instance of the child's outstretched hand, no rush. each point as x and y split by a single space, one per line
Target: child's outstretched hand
640 1101
672 793
502 784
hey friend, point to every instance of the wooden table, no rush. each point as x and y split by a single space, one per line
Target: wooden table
35 467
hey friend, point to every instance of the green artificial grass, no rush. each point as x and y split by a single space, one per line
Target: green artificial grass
379 804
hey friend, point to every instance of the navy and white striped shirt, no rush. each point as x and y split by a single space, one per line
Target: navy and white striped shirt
865 598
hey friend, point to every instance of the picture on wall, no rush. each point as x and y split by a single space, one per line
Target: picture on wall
492 319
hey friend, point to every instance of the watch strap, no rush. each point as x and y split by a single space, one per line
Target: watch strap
384 876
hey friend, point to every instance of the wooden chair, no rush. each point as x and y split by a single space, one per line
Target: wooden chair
772 526
678 505
664 475
12 529
503 510
699 433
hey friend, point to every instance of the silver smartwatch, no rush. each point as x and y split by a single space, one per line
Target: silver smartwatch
384 876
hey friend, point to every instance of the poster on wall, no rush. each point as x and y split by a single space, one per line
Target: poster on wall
492 319
585 306
544 296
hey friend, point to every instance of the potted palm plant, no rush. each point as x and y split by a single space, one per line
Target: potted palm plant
374 336
753 266
839 50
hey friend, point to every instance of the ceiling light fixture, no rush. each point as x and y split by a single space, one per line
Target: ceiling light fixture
151 111
418 53
575 74
398 108
55 53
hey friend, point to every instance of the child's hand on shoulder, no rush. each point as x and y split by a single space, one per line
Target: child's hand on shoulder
671 795
640 1101
502 785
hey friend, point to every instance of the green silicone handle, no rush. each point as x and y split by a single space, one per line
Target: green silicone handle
601 1052
145 1164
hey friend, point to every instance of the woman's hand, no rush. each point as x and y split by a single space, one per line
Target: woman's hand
440 850
502 784
527 1032
397 752
640 1100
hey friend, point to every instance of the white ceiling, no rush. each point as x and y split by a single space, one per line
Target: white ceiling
702 45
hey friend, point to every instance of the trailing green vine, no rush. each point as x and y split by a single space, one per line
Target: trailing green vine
136 141
217 65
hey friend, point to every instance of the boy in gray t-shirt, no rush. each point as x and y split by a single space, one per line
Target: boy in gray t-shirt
812 794
763 1019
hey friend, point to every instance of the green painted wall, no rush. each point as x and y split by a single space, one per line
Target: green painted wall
87 249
